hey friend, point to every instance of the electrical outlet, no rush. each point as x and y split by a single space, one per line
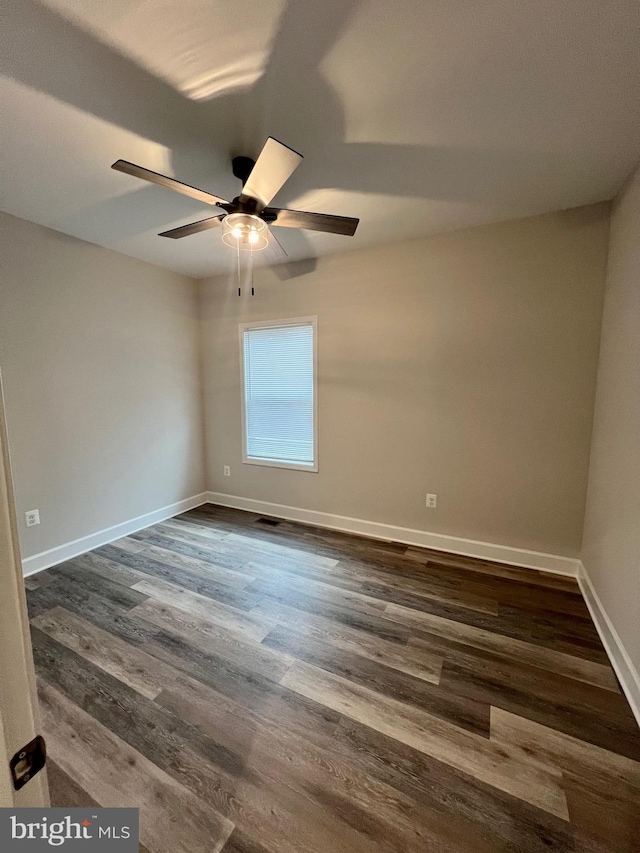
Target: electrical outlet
227 471
32 517
431 501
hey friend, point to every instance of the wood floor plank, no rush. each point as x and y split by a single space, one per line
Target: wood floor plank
421 600
177 528
421 664
64 791
603 815
320 692
182 533
207 569
272 546
455 795
563 632
566 634
98 610
596 767
239 681
450 581
125 662
147 726
263 568
33 582
97 564
226 523
116 775
532 597
602 787
235 722
597 716
264 800
506 770
240 842
468 714
135 719
253 626
210 637
237 725
375 624
318 542
341 786
222 558
418 581
209 586
127 544
291 822
528 653
103 611
497 570
573 636
235 719
264 547
71 574
281 583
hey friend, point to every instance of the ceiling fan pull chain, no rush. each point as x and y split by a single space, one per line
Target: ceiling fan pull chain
239 280
251 269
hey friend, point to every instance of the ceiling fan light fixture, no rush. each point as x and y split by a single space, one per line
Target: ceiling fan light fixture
245 231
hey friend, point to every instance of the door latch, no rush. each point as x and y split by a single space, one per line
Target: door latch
27 762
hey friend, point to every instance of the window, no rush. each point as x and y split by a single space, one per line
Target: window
279 422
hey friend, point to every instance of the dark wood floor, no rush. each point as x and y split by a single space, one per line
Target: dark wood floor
274 688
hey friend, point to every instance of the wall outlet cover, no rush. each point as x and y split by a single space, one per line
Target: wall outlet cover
32 517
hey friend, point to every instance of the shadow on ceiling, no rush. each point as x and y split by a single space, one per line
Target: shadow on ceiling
292 101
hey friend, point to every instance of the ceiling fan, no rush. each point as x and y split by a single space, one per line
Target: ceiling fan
246 220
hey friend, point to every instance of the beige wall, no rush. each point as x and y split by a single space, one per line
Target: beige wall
99 355
611 552
462 364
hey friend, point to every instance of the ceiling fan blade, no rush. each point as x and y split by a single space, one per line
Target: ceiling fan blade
274 166
275 246
311 221
193 228
164 181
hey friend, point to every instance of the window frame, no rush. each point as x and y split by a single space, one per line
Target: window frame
311 320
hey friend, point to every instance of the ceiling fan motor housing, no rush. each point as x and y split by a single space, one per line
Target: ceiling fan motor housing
242 167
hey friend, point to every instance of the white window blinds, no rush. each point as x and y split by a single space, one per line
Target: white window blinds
279 394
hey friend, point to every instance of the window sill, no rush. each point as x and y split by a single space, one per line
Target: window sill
277 463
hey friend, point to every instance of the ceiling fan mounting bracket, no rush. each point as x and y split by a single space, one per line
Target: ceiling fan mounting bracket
242 167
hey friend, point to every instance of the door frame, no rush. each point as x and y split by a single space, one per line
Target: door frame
19 712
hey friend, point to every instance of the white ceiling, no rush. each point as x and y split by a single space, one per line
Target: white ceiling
418 116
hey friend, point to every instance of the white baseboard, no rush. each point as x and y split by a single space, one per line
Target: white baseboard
621 662
54 556
421 538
